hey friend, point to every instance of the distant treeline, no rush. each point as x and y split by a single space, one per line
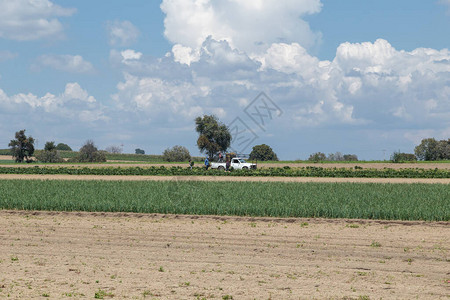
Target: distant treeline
111 156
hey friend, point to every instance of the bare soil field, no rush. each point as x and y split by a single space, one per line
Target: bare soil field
137 256
223 179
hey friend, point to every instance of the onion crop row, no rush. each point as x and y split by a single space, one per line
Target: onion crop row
320 200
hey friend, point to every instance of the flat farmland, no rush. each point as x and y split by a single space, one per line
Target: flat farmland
54 250
137 256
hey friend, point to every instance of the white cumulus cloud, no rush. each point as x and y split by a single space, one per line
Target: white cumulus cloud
72 104
158 99
24 20
247 25
369 84
130 54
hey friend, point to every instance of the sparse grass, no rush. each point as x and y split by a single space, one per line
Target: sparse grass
327 200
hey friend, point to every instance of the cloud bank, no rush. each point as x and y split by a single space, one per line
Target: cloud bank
225 53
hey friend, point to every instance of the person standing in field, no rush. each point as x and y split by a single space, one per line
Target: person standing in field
191 163
220 157
227 165
206 163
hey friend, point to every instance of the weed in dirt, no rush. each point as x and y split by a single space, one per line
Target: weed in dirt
199 296
227 297
101 294
14 258
375 244
352 226
161 269
291 276
147 293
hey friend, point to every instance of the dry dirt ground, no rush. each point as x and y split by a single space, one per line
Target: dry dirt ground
136 256
224 178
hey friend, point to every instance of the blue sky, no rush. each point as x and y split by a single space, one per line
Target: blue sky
352 76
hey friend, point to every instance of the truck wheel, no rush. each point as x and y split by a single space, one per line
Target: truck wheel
221 168
245 168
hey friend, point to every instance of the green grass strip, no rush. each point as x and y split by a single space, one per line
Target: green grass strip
429 202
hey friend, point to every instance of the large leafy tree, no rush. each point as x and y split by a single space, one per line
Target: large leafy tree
50 146
22 147
430 149
318 156
63 147
89 153
263 152
214 136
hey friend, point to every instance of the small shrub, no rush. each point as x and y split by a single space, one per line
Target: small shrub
51 156
176 153
398 157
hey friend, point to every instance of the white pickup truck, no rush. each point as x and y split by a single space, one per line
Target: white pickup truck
236 163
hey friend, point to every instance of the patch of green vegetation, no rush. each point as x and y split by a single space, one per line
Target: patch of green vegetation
84 169
375 244
101 294
308 200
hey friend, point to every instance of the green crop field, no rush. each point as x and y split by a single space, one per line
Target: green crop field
325 200
357 172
